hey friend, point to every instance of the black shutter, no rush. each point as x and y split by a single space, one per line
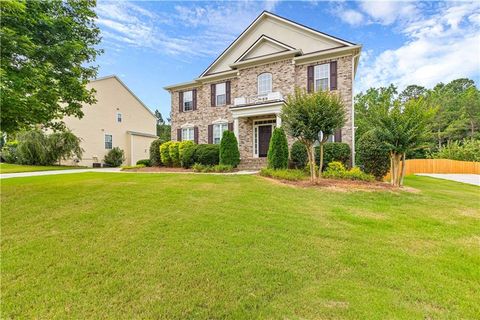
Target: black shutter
180 101
212 95
195 135
333 75
210 133
227 91
310 79
230 126
338 135
179 134
194 95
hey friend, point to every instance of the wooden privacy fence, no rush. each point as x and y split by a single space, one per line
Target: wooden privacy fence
441 166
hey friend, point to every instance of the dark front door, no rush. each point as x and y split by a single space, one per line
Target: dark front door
264 135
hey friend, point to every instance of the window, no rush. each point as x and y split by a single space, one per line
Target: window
264 82
218 130
119 117
108 141
187 134
187 101
322 77
220 94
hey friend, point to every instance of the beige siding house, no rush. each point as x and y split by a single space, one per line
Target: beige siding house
244 89
118 119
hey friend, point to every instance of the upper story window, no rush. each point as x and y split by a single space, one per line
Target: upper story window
264 82
218 130
119 117
220 94
187 101
322 77
188 134
108 141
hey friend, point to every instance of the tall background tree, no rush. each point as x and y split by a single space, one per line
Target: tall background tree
47 52
163 129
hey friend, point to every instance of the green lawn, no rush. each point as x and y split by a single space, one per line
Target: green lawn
12 168
181 246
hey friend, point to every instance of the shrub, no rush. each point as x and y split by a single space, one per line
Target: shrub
373 155
138 166
9 151
467 150
298 155
197 167
181 149
333 151
284 174
165 153
223 168
207 154
229 154
336 170
174 154
115 157
144 162
277 156
188 156
155 159
32 148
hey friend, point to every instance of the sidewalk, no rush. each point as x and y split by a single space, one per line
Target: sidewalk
53 172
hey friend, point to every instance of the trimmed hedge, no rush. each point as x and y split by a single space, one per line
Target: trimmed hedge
373 155
277 155
207 154
144 162
155 159
336 170
188 155
334 151
174 153
229 154
165 153
298 155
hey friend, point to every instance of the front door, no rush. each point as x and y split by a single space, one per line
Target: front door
264 135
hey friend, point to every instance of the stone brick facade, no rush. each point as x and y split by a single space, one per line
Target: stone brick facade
285 76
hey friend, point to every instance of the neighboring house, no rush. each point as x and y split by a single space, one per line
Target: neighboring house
117 119
244 89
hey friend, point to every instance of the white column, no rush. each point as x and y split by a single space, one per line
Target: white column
279 120
235 128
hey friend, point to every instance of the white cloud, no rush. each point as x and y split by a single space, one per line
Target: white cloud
352 17
387 12
440 48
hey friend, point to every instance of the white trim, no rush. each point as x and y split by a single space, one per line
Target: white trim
116 117
105 134
259 40
187 125
220 121
315 88
255 128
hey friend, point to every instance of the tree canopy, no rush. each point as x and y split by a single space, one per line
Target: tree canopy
47 52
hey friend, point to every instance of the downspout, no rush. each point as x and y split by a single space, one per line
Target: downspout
353 109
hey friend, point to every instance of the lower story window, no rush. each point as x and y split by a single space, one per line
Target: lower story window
187 134
108 141
218 130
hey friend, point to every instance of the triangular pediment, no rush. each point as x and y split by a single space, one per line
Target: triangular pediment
264 46
270 34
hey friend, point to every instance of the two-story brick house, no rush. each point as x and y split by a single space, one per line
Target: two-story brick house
243 90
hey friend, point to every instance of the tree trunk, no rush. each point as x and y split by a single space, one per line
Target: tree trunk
311 163
392 169
404 168
395 168
321 161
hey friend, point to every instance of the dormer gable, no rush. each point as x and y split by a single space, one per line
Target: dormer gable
264 46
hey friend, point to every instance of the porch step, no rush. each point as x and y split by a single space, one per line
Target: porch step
252 164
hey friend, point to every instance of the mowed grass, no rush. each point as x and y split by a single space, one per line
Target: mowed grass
13 168
173 246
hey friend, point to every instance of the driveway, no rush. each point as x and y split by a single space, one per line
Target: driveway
464 178
54 172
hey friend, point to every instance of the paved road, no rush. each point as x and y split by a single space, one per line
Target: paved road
464 178
53 172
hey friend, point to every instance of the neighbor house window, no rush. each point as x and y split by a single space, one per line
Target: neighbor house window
108 141
218 130
187 134
187 101
220 94
322 76
264 82
119 117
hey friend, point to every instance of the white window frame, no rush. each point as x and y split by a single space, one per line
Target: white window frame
185 101
221 94
264 83
188 134
319 73
105 141
119 117
218 132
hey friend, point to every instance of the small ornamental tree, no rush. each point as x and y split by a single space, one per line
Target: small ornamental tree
115 157
165 153
277 155
229 154
306 114
372 154
155 159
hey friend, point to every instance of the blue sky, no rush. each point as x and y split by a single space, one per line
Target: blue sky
151 44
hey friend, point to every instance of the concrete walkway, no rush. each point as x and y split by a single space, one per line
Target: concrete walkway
464 178
54 172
